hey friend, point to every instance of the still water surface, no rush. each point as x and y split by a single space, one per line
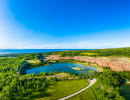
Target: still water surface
63 67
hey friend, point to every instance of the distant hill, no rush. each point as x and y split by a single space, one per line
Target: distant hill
117 52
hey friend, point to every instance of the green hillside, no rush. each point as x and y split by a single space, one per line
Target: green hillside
117 52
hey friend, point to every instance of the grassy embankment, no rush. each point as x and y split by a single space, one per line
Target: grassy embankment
86 95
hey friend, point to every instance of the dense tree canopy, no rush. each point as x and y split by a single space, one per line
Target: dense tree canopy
117 52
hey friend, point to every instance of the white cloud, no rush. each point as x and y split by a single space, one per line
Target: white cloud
79 45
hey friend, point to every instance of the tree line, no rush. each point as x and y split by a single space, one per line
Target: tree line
116 52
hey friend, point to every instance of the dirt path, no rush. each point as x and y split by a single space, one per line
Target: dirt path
91 83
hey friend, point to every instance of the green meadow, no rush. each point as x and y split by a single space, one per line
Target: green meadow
86 95
59 89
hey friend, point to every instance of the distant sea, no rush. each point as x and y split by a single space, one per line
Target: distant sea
10 51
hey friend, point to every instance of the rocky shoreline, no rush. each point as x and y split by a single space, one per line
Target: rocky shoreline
113 63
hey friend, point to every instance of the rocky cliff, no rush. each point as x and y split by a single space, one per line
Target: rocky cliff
116 64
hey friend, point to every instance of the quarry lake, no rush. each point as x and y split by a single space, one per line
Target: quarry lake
64 67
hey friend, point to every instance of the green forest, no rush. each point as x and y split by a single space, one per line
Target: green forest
15 84
116 52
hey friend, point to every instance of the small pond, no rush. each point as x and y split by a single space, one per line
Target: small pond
64 67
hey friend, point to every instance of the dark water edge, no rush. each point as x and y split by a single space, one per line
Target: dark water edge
15 51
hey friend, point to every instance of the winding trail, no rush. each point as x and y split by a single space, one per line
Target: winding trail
128 82
91 83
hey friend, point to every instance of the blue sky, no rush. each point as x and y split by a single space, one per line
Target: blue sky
62 24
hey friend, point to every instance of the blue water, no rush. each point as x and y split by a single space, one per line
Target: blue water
63 67
9 51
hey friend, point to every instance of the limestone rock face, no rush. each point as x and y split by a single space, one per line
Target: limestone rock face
116 65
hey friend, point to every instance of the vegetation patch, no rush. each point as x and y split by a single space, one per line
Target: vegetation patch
59 76
125 91
64 88
89 54
77 68
114 52
34 61
58 90
86 95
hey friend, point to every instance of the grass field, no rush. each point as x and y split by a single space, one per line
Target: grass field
86 95
34 61
89 54
59 90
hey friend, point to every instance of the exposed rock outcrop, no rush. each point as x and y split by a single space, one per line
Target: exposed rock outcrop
114 64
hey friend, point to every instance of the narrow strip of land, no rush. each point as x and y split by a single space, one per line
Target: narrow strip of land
91 83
